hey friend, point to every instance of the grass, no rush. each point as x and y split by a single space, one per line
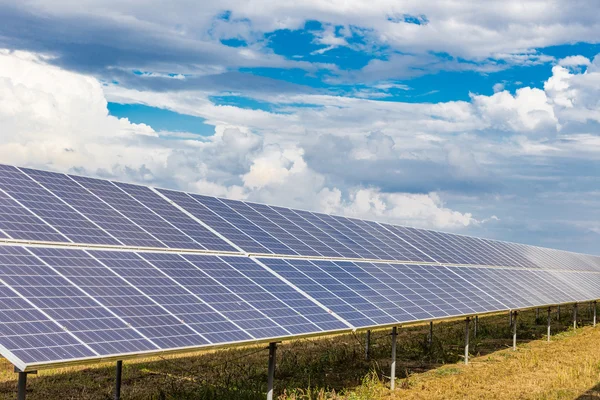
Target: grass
335 368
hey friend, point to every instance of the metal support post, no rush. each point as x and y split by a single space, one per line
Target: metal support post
594 311
475 326
22 386
537 315
118 380
510 318
271 372
558 312
549 319
367 344
393 370
575 316
467 321
515 331
430 335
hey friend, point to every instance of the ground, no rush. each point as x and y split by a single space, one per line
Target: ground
334 367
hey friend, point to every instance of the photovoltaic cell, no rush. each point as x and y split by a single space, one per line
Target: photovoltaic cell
123 300
66 304
113 222
139 214
401 249
217 223
177 218
51 209
153 280
22 224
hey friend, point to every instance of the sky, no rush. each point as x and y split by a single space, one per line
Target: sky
481 118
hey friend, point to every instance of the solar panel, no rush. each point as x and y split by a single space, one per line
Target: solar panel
20 223
133 306
369 294
100 213
66 304
139 214
175 217
296 273
51 209
222 226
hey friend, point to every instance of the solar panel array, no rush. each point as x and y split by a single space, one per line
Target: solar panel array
92 269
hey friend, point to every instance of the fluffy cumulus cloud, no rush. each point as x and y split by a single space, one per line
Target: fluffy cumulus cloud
496 164
56 119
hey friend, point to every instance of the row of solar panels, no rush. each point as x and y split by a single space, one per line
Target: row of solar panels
51 207
60 305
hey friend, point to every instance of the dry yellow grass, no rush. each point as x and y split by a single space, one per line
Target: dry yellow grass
334 368
566 368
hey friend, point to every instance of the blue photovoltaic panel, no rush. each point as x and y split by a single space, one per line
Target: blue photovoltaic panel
314 289
20 223
45 205
243 224
123 300
291 309
3 235
399 248
300 218
25 331
355 290
153 280
217 223
293 229
280 310
68 305
271 227
162 230
340 235
173 215
201 276
119 227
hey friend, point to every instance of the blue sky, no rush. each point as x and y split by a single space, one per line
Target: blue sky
475 118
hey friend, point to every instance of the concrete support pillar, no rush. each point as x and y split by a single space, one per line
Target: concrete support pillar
515 331
271 371
393 369
548 328
475 326
119 373
575 316
467 322
594 312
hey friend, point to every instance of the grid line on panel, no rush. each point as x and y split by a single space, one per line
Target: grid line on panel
304 293
198 273
92 208
147 296
125 325
151 278
301 307
252 230
115 209
57 212
294 229
364 293
341 236
122 299
260 219
178 217
49 318
214 222
319 291
14 214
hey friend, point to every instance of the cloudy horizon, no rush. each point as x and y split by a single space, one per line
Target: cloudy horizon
479 119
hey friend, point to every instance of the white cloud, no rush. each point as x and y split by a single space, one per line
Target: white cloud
574 61
58 120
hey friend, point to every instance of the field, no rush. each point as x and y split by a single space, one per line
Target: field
335 367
